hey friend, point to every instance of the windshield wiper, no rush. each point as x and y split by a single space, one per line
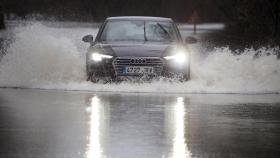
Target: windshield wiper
145 36
165 31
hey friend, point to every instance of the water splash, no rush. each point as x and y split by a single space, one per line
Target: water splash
49 58
37 56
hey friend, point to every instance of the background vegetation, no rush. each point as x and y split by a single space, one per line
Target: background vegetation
247 21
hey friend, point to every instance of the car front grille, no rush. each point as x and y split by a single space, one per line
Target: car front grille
121 62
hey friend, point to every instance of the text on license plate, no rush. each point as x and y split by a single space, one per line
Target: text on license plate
138 70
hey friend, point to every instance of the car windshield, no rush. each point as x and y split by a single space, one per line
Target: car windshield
139 31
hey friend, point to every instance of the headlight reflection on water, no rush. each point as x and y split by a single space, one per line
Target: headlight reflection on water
178 126
94 148
180 149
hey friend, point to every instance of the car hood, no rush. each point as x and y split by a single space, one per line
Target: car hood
136 49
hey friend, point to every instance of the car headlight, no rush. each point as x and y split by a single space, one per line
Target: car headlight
180 57
98 57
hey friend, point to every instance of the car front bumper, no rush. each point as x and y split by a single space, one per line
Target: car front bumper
116 67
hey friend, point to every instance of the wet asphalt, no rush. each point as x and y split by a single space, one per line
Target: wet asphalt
60 124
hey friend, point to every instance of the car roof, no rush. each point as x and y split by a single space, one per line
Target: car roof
142 18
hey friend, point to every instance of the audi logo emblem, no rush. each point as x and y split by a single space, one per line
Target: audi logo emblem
138 61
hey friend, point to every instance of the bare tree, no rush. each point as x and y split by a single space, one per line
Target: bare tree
274 8
2 24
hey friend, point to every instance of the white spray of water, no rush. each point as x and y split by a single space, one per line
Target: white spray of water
37 57
44 57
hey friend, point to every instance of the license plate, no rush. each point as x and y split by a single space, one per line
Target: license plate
138 70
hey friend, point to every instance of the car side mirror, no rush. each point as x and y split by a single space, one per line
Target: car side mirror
190 40
88 38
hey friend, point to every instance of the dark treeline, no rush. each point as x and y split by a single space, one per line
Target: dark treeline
253 19
2 25
250 22
97 10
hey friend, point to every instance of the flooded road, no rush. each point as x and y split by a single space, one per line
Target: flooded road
58 124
